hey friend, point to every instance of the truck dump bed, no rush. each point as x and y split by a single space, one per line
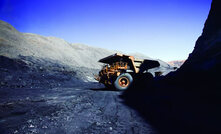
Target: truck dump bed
138 65
115 58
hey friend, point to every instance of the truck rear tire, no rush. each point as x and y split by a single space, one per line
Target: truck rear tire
123 81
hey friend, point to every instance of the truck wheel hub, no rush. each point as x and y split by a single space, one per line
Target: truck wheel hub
124 81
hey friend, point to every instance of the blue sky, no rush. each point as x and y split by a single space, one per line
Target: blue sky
163 29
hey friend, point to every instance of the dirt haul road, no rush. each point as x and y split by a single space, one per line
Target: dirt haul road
68 110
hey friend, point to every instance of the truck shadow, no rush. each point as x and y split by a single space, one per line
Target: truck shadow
176 109
103 89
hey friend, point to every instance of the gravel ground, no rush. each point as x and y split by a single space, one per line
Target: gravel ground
85 109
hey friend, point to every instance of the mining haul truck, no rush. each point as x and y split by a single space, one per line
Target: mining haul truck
119 71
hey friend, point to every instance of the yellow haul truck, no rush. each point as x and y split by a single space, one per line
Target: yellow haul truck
119 71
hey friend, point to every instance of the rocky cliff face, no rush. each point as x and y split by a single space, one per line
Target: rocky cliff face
203 65
207 47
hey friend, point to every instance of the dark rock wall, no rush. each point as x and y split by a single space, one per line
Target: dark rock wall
203 66
207 51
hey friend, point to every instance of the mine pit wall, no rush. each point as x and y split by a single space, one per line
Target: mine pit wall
202 68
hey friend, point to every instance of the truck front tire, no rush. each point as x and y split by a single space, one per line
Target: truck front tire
123 81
